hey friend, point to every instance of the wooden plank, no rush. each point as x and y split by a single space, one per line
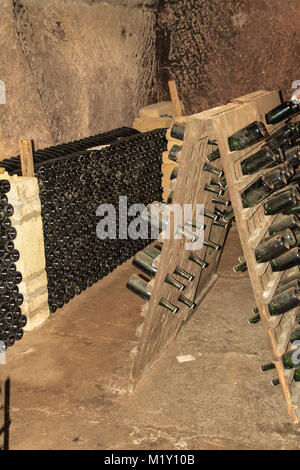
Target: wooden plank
177 109
26 155
161 327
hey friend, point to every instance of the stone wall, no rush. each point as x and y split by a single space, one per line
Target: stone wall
73 68
217 50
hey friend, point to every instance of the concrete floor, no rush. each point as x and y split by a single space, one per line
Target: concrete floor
69 378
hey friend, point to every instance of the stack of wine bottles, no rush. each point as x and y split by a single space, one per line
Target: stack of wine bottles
71 189
12 320
13 165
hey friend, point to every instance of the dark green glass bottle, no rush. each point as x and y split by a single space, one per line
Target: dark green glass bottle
174 174
152 251
247 136
139 286
257 191
213 155
281 112
290 221
144 263
292 155
287 260
174 153
241 267
291 359
177 131
284 302
257 161
281 202
272 247
197 260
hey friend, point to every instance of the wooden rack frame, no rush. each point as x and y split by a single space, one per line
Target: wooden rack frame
161 327
253 225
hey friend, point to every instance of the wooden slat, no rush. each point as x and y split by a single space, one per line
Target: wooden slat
26 155
177 109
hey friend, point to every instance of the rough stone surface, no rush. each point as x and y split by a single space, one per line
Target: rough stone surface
27 220
73 68
69 378
217 50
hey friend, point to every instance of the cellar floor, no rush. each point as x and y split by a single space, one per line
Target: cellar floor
69 377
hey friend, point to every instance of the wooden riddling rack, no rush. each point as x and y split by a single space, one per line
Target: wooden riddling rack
253 225
160 327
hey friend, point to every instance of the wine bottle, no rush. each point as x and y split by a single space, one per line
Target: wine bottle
174 174
173 154
214 189
283 201
219 200
283 282
295 179
211 169
257 191
255 319
291 359
152 251
292 156
249 135
257 161
241 267
290 221
296 377
293 283
287 260
178 130
186 301
281 112
174 283
213 155
181 272
279 176
197 260
144 263
284 302
139 286
295 335
271 248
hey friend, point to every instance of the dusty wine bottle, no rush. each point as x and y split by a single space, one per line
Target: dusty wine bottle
281 112
152 251
271 248
290 221
241 267
249 135
286 261
292 155
186 301
296 377
214 189
139 286
257 191
283 201
295 335
255 319
291 359
219 200
213 155
294 283
197 260
211 169
284 302
144 263
278 177
181 272
178 130
257 161
174 283
174 153
174 174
